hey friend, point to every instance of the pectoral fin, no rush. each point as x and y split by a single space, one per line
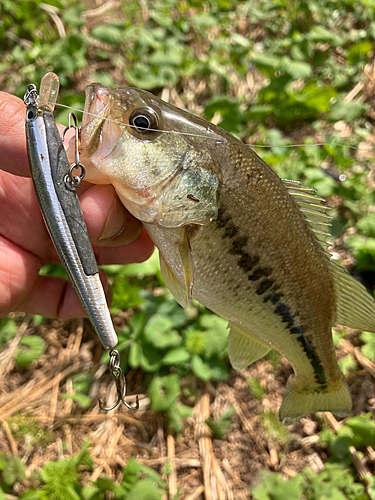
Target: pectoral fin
187 260
172 283
243 348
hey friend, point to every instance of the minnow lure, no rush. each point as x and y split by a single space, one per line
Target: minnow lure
55 186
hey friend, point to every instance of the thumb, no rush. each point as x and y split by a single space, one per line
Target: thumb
13 156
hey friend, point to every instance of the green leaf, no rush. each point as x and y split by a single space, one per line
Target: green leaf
60 479
145 490
137 323
108 33
214 322
13 471
366 225
273 428
363 250
176 413
368 349
164 391
359 51
220 426
347 111
317 98
150 358
196 341
32 495
256 388
38 319
201 369
296 69
216 332
321 181
105 484
273 487
266 63
82 400
347 364
125 294
174 312
33 349
90 492
135 355
176 357
160 334
371 487
134 471
8 330
322 34
363 428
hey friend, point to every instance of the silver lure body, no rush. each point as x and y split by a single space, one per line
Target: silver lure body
64 219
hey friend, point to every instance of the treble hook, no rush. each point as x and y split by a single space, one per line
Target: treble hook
116 372
73 181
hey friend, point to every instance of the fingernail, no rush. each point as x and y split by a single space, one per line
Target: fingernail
115 223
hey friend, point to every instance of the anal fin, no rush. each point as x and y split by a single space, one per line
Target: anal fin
243 348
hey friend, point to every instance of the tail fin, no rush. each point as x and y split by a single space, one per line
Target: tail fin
298 401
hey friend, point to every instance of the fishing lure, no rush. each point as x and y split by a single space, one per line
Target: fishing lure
55 185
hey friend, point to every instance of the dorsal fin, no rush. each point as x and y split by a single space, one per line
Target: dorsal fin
355 307
314 209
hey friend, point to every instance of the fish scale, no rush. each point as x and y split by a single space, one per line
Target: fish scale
232 235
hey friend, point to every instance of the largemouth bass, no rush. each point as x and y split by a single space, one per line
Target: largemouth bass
232 235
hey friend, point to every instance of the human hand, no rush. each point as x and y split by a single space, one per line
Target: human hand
25 245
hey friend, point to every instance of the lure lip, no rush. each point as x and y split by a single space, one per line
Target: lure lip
63 216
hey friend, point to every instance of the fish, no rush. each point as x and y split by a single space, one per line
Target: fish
233 236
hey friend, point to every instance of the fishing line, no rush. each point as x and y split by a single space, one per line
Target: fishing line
211 138
133 126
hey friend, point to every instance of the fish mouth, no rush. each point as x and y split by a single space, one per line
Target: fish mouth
97 109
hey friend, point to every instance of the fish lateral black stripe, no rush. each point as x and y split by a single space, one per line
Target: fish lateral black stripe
238 244
259 273
264 286
314 361
248 262
286 315
297 330
289 318
230 231
273 297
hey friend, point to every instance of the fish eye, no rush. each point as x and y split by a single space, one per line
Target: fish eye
144 121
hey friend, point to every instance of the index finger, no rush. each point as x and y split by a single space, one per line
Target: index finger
13 158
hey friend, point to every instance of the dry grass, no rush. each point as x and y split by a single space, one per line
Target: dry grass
204 467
